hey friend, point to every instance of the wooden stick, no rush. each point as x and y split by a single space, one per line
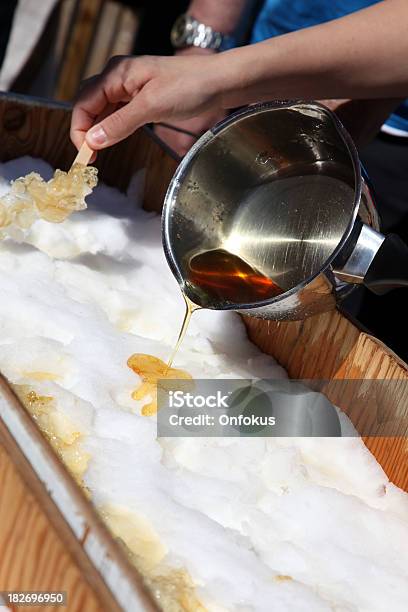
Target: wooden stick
84 154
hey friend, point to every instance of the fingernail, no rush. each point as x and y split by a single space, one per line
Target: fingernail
97 135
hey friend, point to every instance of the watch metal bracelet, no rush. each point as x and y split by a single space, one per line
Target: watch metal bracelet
203 36
189 32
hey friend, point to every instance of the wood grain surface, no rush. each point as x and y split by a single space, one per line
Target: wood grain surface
122 23
37 550
33 558
78 47
330 347
71 545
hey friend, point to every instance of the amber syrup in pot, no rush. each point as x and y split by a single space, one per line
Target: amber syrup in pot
228 278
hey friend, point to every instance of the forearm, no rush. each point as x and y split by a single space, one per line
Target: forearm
222 15
359 56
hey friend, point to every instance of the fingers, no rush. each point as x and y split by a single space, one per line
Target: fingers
120 124
94 103
118 83
91 101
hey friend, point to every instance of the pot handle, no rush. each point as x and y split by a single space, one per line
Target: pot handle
389 268
376 261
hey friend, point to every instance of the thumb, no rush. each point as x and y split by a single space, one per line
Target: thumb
116 126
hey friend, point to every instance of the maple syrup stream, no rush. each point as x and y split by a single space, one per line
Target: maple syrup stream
224 277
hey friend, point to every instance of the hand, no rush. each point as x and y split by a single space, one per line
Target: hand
143 90
181 142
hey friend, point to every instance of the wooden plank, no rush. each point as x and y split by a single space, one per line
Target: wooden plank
129 22
325 346
101 50
80 36
329 347
32 555
88 12
66 21
95 559
36 129
37 549
115 35
100 30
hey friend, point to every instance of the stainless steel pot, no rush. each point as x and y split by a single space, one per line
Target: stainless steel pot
280 185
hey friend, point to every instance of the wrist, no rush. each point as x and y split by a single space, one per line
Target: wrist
252 74
235 78
194 51
189 31
218 25
221 81
221 16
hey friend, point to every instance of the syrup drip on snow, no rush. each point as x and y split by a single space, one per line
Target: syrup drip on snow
152 370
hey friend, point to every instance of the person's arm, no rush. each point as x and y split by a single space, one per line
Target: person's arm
362 55
223 17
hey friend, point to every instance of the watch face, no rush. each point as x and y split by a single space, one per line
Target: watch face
180 31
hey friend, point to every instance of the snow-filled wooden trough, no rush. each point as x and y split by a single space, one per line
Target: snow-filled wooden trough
51 538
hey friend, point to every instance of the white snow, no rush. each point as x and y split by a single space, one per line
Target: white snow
274 525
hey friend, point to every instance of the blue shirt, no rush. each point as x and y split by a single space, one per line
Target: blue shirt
282 16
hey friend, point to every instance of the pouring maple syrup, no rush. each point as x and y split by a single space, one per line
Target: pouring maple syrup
190 308
223 276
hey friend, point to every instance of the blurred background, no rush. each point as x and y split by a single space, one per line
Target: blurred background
48 47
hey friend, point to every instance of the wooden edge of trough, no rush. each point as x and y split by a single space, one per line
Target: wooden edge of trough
330 347
72 515
326 347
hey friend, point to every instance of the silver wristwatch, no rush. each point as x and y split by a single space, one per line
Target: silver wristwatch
189 32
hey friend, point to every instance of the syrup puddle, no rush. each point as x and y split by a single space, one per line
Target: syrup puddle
151 370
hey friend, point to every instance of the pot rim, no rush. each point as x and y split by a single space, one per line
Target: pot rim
186 162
